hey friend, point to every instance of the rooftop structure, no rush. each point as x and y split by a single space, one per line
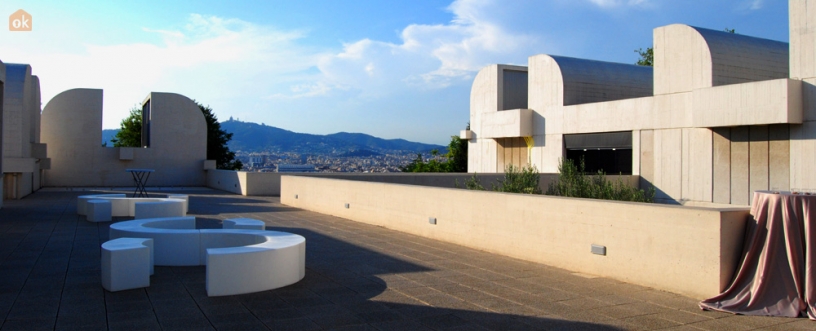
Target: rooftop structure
719 116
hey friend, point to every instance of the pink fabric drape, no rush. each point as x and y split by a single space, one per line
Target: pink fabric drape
776 276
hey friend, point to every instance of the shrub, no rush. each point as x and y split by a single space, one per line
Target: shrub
573 182
519 180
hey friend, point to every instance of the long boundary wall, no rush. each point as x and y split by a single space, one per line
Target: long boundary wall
268 183
687 250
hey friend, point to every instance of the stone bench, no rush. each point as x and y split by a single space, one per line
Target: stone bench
98 210
123 206
127 263
161 208
82 201
244 223
238 260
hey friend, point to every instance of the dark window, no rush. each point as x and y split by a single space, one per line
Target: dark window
609 151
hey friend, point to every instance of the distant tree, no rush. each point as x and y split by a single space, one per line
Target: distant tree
217 140
647 56
130 135
130 131
456 159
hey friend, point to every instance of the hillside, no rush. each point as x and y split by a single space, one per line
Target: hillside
252 137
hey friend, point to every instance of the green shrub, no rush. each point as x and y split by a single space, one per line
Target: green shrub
519 180
573 182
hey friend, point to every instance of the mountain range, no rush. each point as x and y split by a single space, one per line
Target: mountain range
252 137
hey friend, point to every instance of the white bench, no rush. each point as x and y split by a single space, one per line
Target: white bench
244 223
123 206
238 260
98 210
82 201
127 263
161 208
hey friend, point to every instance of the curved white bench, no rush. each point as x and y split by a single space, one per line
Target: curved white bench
247 261
238 260
122 205
175 239
155 209
82 201
98 210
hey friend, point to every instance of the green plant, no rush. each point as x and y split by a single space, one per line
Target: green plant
574 182
519 180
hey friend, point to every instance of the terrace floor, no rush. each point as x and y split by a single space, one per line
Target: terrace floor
358 277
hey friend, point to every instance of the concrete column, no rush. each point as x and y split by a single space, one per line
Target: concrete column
779 157
758 159
721 165
739 165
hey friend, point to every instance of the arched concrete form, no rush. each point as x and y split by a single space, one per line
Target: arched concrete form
23 155
72 126
565 81
498 110
688 58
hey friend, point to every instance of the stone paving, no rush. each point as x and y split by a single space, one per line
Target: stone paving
358 277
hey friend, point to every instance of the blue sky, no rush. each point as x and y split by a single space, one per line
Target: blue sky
393 69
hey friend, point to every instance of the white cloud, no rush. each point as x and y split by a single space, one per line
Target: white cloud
209 57
430 56
754 4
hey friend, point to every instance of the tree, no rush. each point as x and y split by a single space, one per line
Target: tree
456 159
647 56
130 132
217 140
130 135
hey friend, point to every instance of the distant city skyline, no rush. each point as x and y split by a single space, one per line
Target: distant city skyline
384 68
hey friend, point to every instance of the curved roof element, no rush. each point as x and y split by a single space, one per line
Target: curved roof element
688 58
564 81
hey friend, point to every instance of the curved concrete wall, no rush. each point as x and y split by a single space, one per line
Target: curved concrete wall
565 81
72 127
688 58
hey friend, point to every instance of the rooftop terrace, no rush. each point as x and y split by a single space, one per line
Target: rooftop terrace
358 276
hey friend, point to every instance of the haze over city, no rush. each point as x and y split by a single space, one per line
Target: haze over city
386 68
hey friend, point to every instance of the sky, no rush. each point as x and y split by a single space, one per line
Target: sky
392 69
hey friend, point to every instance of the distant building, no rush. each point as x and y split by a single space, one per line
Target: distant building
296 168
257 160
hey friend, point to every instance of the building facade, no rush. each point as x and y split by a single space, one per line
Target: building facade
719 116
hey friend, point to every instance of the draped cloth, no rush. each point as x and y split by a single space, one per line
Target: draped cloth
776 276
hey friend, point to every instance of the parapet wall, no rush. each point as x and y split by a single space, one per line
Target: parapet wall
686 250
269 183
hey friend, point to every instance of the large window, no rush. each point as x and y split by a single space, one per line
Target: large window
609 151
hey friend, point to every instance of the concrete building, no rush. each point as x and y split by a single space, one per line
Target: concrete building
174 142
719 116
24 157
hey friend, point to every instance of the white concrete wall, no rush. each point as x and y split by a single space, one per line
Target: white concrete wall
691 251
72 128
21 134
245 183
